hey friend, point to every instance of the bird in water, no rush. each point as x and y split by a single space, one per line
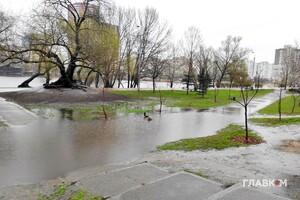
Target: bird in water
147 117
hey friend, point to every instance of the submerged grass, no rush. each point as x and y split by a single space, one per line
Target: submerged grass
179 98
89 111
223 139
276 121
2 124
287 104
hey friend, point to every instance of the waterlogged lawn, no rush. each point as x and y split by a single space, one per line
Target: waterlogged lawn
276 121
179 98
144 101
224 138
90 111
286 107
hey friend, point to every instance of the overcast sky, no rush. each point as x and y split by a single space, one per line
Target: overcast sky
263 24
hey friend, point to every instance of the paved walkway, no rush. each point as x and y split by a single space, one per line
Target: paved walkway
13 114
148 182
143 182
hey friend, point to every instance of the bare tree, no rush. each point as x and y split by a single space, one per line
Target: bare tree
247 95
152 40
128 37
229 52
155 69
191 44
6 24
173 65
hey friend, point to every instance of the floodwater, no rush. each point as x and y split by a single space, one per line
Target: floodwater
50 147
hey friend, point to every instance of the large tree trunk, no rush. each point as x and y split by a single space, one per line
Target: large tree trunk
47 78
25 84
65 80
97 78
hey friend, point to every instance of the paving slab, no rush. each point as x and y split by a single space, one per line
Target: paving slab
175 187
118 181
14 114
239 192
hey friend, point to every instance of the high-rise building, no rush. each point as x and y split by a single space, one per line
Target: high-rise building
283 56
288 50
262 69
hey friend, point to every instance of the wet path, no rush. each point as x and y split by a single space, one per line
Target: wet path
13 114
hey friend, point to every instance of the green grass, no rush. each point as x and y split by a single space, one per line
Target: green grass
179 98
223 139
276 121
198 173
64 191
286 107
2 124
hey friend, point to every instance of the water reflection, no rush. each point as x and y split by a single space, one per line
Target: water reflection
51 147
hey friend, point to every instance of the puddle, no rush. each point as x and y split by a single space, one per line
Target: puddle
290 146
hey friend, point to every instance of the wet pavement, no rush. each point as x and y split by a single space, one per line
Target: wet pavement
139 181
13 114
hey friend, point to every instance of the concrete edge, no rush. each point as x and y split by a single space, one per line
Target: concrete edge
124 168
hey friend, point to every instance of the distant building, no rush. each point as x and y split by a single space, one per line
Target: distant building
11 70
276 72
251 68
288 50
93 11
263 69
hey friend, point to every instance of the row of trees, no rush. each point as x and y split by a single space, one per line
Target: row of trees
73 45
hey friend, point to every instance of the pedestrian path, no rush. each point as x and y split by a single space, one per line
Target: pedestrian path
148 182
13 114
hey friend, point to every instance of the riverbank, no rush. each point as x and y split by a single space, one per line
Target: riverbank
51 96
171 98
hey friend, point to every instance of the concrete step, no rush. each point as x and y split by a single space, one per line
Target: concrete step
148 182
118 181
175 187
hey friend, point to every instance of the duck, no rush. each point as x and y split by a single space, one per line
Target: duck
147 117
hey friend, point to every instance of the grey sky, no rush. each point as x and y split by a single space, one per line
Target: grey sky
264 24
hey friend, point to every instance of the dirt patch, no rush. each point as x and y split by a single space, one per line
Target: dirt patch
290 146
251 140
42 95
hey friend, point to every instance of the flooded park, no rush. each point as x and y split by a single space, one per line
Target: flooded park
130 100
60 139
